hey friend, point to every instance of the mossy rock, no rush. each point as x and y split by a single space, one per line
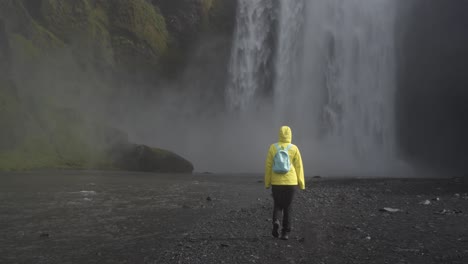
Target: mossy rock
143 158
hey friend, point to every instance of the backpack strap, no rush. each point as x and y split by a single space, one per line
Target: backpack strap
277 147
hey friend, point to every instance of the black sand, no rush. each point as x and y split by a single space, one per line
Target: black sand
116 217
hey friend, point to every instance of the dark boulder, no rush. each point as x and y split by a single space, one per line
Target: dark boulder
134 157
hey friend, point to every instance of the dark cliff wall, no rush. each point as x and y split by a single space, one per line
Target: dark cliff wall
433 84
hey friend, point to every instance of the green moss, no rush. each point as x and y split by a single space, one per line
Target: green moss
48 137
100 38
205 19
65 17
162 153
8 100
24 49
28 50
207 4
78 144
33 153
141 20
98 17
22 145
44 39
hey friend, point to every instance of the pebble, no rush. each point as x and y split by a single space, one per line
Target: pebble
389 210
426 202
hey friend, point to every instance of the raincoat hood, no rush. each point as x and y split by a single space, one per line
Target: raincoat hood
285 134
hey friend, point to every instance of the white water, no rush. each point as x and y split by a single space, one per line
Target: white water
335 78
250 52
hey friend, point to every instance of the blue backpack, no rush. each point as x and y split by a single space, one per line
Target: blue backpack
281 162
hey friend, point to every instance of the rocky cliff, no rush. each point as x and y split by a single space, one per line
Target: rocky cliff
65 66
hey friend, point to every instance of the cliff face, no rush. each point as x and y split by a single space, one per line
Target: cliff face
133 36
432 108
64 66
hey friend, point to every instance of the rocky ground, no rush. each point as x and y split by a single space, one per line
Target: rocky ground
96 217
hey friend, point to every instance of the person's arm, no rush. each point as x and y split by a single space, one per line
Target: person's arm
268 168
299 169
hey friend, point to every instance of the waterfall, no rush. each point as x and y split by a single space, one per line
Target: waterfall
250 53
348 69
291 22
334 76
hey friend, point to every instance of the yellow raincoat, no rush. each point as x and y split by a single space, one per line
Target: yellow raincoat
295 176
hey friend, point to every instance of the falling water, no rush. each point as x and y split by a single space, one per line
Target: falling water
251 52
348 67
334 76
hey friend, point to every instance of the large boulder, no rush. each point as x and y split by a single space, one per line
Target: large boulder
143 158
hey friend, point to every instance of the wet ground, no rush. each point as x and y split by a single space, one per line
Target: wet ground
120 217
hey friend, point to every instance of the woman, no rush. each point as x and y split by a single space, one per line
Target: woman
283 172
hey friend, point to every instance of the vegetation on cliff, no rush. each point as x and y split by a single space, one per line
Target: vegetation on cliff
61 61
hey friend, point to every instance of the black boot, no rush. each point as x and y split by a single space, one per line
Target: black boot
284 235
276 225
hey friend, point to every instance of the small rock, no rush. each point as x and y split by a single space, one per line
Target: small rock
224 245
317 177
260 181
436 199
457 195
368 238
406 250
44 235
208 199
389 210
88 193
426 202
446 212
457 179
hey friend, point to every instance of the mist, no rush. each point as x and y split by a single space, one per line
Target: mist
361 84
364 122
305 65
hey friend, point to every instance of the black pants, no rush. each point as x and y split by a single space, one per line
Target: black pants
282 198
